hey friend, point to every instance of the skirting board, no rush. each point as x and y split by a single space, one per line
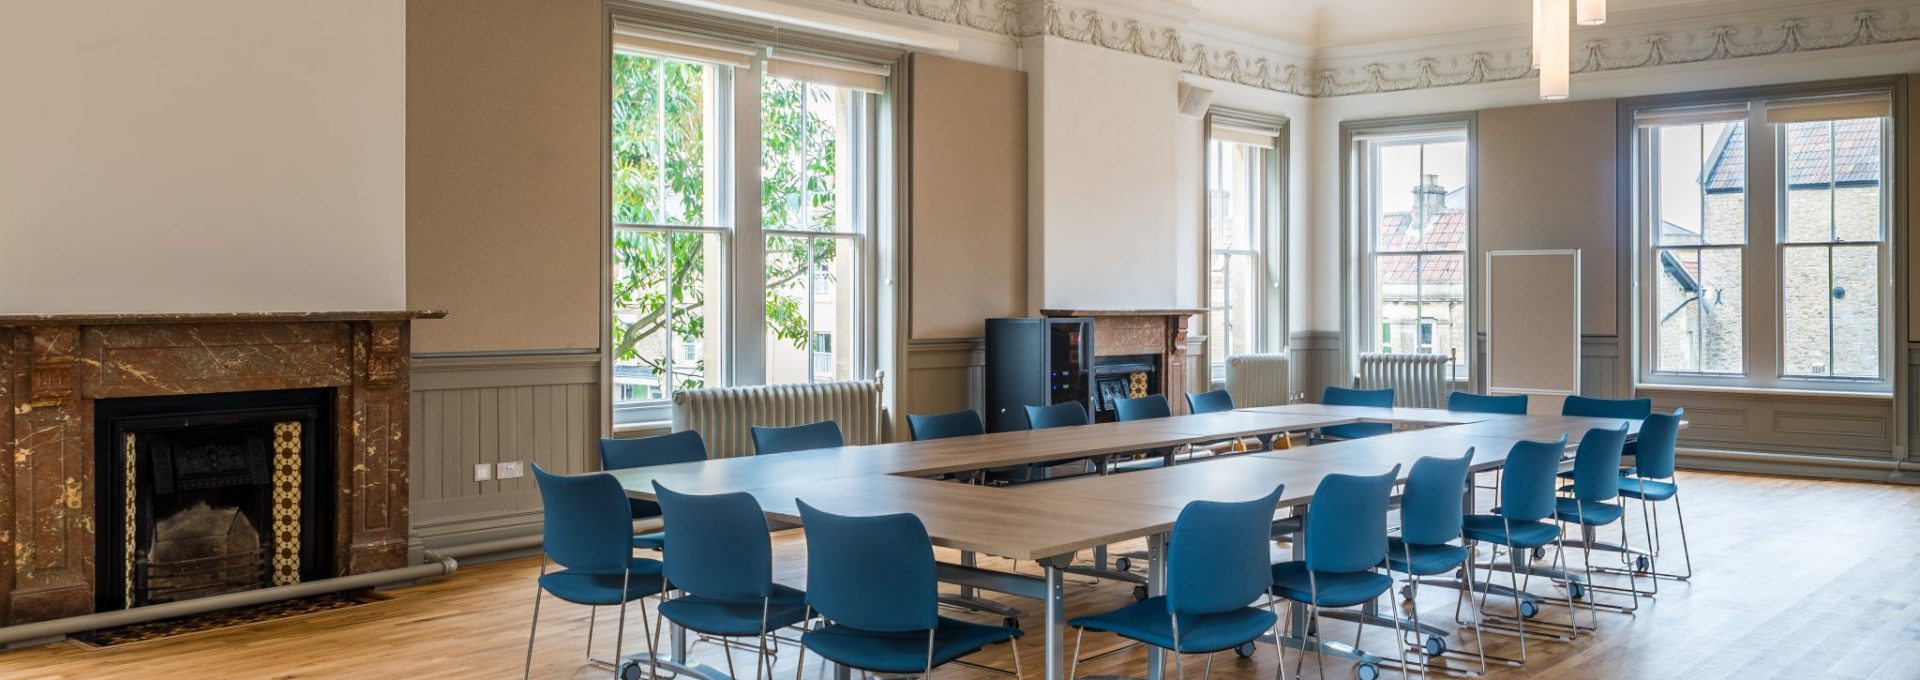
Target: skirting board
1795 465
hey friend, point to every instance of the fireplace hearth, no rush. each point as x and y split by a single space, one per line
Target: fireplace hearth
210 494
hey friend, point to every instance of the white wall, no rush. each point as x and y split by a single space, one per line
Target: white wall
216 155
1103 227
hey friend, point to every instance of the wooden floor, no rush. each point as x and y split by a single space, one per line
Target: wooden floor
1795 579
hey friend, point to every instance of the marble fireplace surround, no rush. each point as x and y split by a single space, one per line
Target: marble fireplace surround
1161 332
53 368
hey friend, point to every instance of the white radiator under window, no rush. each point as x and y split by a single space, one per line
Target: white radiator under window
1259 380
724 415
1418 380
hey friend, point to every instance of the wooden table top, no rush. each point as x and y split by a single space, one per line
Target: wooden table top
1412 416
1226 424
994 521
1230 478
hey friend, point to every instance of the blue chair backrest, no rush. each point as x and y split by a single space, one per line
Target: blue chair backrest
587 527
721 548
821 435
956 424
1142 408
1528 480
1209 402
1347 522
1514 404
1431 506
685 446
1596 464
1218 559
871 573
1634 409
1653 449
1344 396
1057 415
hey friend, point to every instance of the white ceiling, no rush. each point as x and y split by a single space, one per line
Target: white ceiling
1329 23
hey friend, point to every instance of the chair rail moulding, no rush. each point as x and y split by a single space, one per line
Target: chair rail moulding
54 368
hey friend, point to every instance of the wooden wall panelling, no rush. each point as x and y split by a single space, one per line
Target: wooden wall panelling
1316 363
1819 425
945 376
534 408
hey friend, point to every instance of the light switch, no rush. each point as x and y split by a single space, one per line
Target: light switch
482 472
510 469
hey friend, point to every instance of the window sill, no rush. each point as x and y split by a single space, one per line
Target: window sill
1778 392
647 428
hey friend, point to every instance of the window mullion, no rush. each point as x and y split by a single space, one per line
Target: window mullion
748 300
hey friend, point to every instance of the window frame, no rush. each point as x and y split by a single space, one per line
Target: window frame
1763 283
1360 327
739 317
1269 250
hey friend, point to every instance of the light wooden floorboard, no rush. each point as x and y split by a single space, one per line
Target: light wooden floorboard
1795 579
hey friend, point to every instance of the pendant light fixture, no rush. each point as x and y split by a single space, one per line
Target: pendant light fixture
1553 40
1590 12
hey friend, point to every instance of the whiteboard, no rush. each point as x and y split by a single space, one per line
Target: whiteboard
1533 325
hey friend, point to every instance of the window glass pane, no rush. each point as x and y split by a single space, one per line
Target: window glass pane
1397 299
812 304
1697 310
1700 184
662 141
1833 180
1443 286
809 155
662 315
1236 183
1831 304
1233 316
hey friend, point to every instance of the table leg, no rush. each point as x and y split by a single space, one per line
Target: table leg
1056 617
1156 586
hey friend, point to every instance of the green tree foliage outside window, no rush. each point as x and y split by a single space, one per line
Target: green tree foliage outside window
660 178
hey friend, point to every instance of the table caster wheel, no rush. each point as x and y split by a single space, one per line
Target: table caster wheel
1643 564
1406 592
1529 609
1244 651
631 670
1123 563
1011 622
1576 590
1540 553
1435 645
1367 671
1139 592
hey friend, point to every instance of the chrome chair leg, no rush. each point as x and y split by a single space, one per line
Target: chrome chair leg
534 630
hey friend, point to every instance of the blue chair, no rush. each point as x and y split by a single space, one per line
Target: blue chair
1346 539
621 454
1432 512
588 534
1058 415
1217 568
1652 481
1342 396
821 435
1514 405
1591 407
872 581
722 567
1142 408
963 423
1209 402
1596 488
1520 524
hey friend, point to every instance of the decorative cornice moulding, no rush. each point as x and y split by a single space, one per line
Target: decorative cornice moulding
1628 42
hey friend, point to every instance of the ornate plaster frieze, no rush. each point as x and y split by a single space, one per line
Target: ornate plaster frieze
1621 45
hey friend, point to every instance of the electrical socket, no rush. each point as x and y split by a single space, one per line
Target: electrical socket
510 469
482 472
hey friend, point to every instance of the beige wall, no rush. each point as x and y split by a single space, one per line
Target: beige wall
219 155
1547 181
504 173
969 196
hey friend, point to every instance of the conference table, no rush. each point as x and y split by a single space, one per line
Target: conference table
1050 522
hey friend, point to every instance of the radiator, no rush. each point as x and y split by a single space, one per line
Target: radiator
1418 380
723 415
1259 380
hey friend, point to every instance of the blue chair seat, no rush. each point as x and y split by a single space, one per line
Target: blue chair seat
1336 589
1426 560
1356 430
650 541
1147 621
604 589
1493 529
1647 489
888 652
1590 513
737 618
